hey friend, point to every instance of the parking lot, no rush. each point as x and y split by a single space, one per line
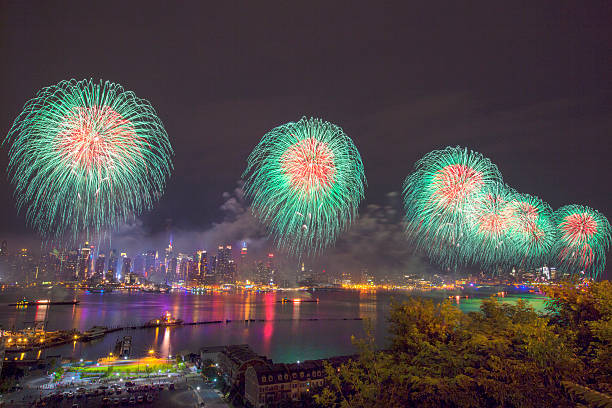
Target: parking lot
184 393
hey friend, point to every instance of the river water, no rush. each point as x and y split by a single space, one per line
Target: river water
285 336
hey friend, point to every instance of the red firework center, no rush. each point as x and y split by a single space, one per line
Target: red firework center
578 228
454 183
94 137
494 216
309 165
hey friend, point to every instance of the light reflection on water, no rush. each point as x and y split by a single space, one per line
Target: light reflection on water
285 336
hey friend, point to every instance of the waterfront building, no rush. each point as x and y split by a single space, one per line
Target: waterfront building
235 359
286 383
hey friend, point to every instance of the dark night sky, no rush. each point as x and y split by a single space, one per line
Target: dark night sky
527 84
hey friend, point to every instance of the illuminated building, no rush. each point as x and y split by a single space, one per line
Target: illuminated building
111 271
225 270
138 267
99 266
244 273
171 271
69 265
149 267
265 272
126 266
83 263
202 265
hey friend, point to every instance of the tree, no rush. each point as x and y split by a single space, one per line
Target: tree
505 355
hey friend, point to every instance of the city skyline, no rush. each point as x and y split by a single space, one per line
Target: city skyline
547 116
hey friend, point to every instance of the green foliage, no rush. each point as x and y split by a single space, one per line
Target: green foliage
591 397
585 314
505 355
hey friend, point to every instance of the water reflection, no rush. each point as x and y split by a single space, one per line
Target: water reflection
367 304
283 331
165 346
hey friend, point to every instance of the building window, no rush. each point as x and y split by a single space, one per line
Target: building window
263 379
319 373
294 375
280 377
286 377
270 378
301 374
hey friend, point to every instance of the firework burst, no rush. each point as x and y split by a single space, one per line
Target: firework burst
584 238
306 180
489 222
533 231
438 198
86 157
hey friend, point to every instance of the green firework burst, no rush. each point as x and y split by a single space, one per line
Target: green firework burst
532 231
85 157
583 240
305 180
437 198
489 222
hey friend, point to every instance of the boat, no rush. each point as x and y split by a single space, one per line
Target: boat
165 320
25 302
155 289
100 289
94 333
297 300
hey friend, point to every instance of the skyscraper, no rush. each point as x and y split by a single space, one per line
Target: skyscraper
244 263
226 267
84 261
150 257
99 267
111 271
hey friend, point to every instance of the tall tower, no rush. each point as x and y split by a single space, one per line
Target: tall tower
84 261
111 271
99 267
243 267
226 268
